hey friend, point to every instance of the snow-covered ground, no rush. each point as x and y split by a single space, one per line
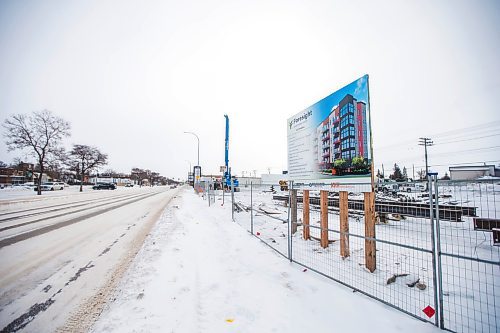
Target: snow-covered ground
200 272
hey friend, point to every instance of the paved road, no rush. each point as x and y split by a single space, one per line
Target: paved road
60 256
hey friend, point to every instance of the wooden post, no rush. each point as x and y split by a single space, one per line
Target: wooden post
293 210
305 215
344 224
370 246
324 218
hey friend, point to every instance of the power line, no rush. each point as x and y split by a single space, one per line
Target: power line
464 132
453 164
466 151
444 154
379 166
468 139
469 129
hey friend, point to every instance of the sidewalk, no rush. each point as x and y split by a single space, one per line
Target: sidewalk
200 272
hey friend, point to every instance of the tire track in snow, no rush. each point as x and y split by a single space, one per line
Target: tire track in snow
85 315
114 200
44 230
69 205
27 317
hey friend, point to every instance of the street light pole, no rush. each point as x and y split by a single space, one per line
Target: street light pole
198 145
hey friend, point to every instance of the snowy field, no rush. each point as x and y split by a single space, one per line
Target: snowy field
200 272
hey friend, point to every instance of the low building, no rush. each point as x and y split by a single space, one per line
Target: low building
273 178
17 175
472 172
11 176
246 181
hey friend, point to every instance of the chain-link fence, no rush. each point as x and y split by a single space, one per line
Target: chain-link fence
427 249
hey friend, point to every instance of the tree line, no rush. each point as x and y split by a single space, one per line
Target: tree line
401 175
41 134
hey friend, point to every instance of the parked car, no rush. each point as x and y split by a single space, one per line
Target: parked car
129 185
50 186
104 186
413 187
388 186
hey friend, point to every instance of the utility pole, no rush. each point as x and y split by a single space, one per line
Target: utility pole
425 142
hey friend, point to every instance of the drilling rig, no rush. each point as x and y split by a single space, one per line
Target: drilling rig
227 172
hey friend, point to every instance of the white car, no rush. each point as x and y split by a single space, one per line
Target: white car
413 187
51 186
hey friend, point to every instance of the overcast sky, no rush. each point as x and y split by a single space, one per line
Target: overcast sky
132 76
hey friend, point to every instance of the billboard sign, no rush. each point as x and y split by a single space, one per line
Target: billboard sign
330 141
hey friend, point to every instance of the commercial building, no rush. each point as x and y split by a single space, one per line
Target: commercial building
472 172
19 174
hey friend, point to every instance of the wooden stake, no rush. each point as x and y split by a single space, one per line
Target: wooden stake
344 224
324 218
305 215
293 210
370 246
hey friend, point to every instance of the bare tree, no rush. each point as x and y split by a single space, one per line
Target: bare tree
110 172
155 178
421 174
41 132
138 175
85 158
15 162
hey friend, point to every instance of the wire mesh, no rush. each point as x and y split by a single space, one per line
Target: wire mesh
258 210
470 261
404 271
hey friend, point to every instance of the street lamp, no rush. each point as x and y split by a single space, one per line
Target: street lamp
198 145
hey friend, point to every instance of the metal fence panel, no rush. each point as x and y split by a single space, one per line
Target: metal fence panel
470 260
404 274
266 218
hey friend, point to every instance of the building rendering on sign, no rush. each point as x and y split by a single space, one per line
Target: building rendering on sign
343 133
331 139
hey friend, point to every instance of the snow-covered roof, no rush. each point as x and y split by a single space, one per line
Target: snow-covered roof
471 167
